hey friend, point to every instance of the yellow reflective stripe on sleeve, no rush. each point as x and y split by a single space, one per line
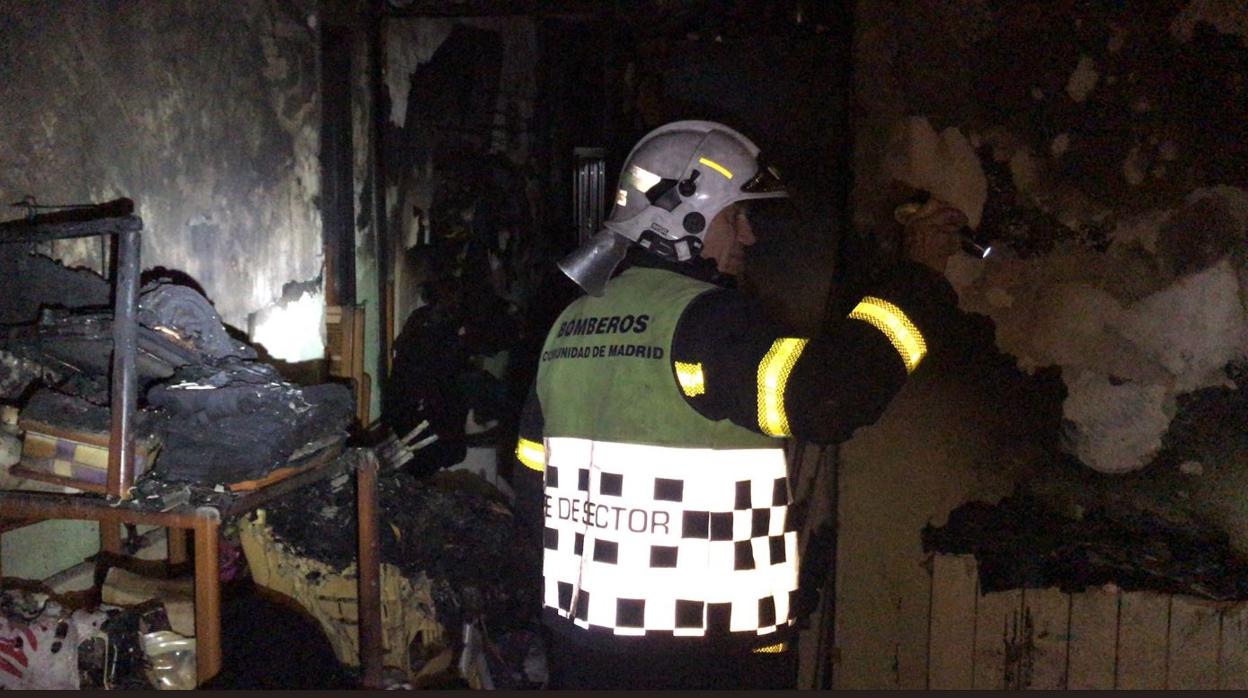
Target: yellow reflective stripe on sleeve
531 454
773 376
770 649
890 320
692 384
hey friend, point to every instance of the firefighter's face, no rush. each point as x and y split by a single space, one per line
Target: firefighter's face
726 239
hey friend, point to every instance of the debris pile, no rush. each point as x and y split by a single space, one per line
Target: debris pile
16 374
69 412
239 420
223 416
451 526
185 316
47 645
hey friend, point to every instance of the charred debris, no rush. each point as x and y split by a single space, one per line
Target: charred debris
1024 542
218 415
451 527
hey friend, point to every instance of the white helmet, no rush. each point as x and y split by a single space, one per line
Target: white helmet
674 182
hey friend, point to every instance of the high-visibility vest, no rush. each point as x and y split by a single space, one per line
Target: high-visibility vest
658 521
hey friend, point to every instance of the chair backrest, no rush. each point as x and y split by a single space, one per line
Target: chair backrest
113 218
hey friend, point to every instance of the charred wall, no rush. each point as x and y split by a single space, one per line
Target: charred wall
1099 144
205 114
459 165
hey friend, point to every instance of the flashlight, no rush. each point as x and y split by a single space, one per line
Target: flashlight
973 243
974 247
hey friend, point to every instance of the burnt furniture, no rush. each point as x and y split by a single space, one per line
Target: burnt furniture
116 506
204 522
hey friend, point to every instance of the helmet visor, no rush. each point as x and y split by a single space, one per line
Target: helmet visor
765 181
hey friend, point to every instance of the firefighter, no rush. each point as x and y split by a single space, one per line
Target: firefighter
653 440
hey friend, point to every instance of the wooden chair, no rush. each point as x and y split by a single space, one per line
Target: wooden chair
116 507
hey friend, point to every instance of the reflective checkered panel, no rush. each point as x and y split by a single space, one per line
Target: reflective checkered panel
646 540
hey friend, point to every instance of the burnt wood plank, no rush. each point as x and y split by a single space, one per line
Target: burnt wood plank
1194 641
1233 663
1142 641
998 635
1093 639
951 640
1046 637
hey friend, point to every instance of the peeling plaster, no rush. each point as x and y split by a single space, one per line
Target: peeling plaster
1083 80
517 92
1023 171
1235 200
1135 166
421 40
1009 85
1118 426
1075 309
1141 230
1061 143
1035 178
1193 328
451 131
1225 16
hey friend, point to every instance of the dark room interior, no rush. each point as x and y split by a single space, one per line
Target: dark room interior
303 316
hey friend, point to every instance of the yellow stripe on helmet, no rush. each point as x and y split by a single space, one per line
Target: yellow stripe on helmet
716 166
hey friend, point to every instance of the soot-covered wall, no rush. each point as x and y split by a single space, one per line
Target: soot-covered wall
1102 148
1101 145
206 115
459 156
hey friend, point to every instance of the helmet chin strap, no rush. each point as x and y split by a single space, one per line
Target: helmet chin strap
679 250
707 269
